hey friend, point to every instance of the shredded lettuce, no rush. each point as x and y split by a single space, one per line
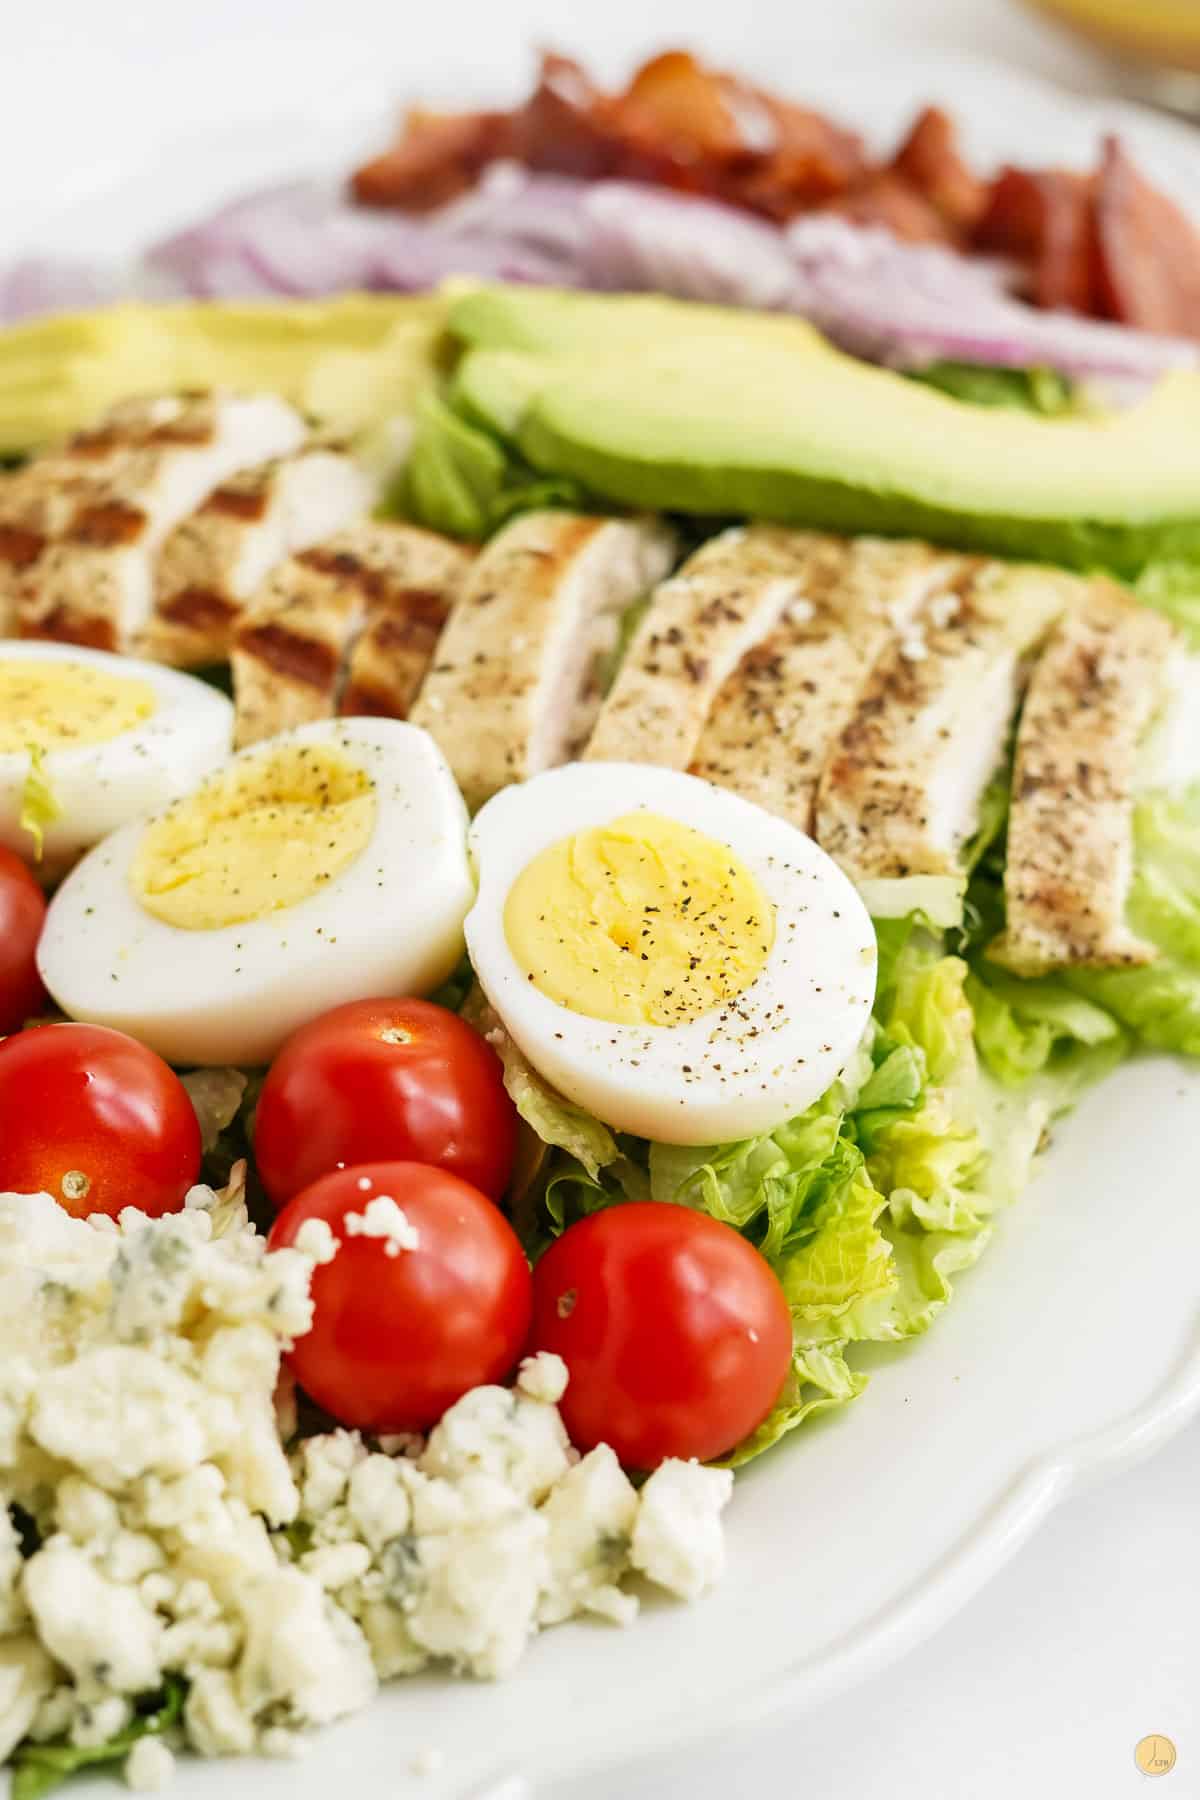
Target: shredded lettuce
1160 1003
461 480
37 1769
39 804
1174 588
1042 391
866 1205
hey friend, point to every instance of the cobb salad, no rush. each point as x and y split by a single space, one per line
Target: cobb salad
560 856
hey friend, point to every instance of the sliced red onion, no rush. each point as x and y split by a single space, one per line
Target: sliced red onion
49 284
908 305
641 238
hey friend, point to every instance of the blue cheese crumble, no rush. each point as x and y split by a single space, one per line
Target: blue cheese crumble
142 1413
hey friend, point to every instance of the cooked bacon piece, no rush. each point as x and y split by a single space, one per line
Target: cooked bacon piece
299 653
678 124
216 560
929 159
437 158
1093 694
1045 219
887 199
1149 251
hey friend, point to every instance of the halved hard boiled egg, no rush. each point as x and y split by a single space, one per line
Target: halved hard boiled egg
329 864
682 964
89 740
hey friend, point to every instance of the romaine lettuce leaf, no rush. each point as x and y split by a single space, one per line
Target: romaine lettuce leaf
819 1379
39 804
1174 588
1160 1003
37 1769
460 479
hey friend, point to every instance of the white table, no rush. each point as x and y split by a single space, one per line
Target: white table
1090 1640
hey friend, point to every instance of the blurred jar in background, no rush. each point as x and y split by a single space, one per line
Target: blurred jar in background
1156 43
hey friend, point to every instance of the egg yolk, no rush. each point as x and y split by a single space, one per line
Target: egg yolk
640 922
264 834
51 705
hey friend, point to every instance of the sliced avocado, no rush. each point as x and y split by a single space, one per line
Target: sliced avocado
529 318
59 374
652 402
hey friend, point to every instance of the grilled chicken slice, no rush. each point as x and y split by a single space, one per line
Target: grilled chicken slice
213 563
40 499
518 656
775 717
348 625
1091 699
697 628
92 580
900 791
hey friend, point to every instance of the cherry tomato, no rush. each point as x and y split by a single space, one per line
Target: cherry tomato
382 1081
22 912
94 1118
397 1338
674 1329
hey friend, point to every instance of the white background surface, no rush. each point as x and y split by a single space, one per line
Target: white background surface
1091 1638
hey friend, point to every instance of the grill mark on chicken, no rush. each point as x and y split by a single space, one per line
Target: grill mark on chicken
899 792
227 548
104 502
516 661
356 618
199 610
1090 701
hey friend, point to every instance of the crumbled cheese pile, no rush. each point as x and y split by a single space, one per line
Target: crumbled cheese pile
139 1368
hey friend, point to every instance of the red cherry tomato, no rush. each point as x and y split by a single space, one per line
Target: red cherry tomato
398 1338
674 1329
22 913
94 1118
382 1081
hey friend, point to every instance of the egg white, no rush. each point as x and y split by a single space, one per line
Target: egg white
739 1069
98 787
389 923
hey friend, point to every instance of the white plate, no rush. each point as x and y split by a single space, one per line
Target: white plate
1073 1349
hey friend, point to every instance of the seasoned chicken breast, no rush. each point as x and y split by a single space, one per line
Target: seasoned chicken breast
1091 699
518 656
216 560
40 499
899 793
92 579
774 718
696 630
377 588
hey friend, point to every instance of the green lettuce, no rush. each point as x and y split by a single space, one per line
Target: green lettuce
39 804
37 1769
1160 1002
1174 588
1042 391
461 480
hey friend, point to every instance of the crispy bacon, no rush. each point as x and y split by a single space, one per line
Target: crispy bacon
889 200
929 159
436 159
1105 245
1148 251
1045 219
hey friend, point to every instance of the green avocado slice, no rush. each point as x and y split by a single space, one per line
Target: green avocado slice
703 410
